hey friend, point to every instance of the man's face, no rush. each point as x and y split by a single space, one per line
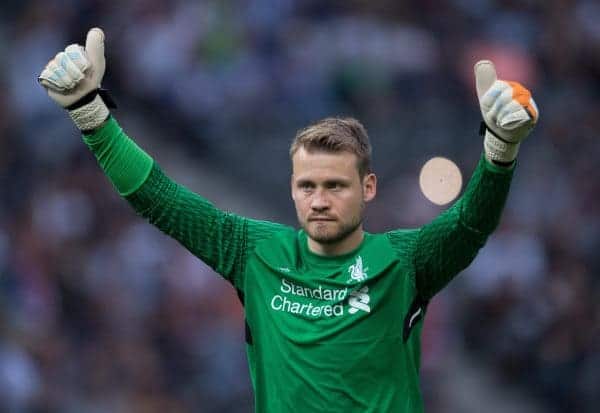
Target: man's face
329 194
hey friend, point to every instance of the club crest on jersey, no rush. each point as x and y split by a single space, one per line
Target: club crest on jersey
356 270
359 300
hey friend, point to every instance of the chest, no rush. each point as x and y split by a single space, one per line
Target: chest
351 302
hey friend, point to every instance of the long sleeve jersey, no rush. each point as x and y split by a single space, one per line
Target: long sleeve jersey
323 334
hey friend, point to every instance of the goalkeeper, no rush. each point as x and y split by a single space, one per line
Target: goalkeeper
333 313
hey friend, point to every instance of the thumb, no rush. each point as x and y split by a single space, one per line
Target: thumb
485 76
94 47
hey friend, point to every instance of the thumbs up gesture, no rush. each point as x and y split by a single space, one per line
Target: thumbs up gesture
73 77
508 110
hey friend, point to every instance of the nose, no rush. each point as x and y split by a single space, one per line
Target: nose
319 201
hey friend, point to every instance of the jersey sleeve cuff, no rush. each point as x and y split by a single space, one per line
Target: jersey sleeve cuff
492 167
123 161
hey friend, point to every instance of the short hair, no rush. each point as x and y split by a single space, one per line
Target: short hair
336 135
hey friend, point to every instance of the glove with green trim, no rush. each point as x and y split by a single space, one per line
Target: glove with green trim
509 113
73 77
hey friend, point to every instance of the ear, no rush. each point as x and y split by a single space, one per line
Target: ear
369 187
292 187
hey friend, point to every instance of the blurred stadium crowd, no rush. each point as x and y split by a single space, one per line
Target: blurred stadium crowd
99 312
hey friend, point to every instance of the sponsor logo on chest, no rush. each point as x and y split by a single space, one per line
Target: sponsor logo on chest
320 301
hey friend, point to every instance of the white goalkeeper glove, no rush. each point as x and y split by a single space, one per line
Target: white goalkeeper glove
508 111
72 79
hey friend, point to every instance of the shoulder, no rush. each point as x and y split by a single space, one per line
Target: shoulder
278 244
265 234
403 241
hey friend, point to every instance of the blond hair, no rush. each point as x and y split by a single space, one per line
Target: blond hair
336 135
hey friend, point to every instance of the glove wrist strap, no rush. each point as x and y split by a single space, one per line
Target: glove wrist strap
91 115
497 150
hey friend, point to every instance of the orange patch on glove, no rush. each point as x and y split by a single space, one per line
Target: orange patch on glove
523 97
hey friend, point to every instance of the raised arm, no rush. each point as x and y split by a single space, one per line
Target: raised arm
450 242
221 239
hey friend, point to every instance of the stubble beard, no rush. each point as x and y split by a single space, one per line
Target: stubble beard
324 235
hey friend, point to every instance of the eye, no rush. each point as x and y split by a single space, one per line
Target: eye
334 186
306 186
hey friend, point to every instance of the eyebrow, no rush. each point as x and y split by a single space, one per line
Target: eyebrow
304 181
341 181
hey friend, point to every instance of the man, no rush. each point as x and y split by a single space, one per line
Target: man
333 313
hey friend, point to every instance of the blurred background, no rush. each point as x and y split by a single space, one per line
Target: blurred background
100 312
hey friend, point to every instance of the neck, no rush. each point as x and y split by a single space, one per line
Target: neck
344 246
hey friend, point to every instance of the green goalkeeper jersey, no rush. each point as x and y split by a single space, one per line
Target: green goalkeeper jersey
324 334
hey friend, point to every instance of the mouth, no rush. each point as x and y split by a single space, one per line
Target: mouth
321 219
